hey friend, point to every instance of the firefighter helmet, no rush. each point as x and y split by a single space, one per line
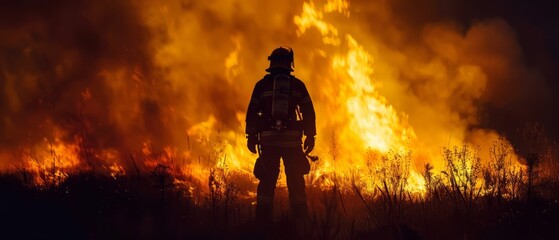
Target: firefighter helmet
281 59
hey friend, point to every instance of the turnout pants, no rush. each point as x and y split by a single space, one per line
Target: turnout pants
267 169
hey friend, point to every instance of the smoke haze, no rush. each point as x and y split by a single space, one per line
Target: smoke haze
137 77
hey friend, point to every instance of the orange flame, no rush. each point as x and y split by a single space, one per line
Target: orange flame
187 109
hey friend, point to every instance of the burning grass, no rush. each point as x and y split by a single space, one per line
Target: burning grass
471 198
109 129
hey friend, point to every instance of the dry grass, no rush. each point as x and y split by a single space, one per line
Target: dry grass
468 200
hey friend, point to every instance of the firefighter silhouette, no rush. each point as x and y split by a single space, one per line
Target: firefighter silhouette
280 112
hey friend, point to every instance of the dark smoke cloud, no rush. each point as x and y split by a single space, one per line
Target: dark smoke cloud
53 54
94 65
123 74
514 43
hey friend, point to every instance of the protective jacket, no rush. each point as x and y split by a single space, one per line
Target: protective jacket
288 132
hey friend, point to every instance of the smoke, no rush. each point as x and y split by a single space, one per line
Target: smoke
141 76
60 63
129 76
465 59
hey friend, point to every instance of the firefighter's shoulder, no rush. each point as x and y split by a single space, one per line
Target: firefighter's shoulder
298 82
264 78
259 84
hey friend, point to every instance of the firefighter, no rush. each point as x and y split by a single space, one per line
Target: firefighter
280 112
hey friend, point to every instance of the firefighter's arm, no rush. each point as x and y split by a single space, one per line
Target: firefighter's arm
309 120
307 110
254 107
251 130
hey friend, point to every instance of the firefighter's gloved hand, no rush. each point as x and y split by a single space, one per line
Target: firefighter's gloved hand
252 141
308 146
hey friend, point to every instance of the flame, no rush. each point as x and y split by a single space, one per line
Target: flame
51 161
371 119
180 97
363 118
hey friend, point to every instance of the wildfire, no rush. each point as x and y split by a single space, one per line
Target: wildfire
185 107
363 118
50 161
